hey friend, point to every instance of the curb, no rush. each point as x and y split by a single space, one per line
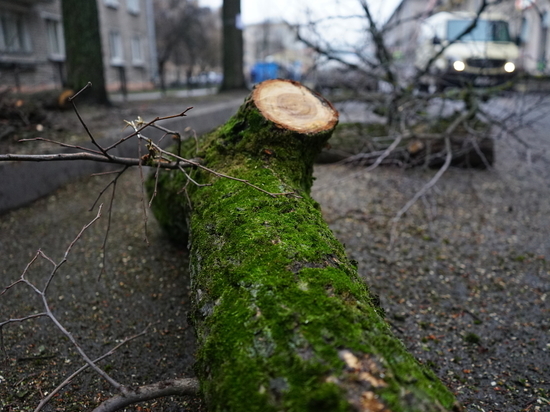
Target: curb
25 182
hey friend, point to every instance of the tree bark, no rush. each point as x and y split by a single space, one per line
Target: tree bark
283 321
232 52
83 49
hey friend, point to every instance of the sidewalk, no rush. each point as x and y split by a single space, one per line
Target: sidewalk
24 182
157 94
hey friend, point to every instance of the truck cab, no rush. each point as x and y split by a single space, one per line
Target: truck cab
485 56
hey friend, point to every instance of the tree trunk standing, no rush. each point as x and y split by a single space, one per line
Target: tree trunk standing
232 52
83 49
283 320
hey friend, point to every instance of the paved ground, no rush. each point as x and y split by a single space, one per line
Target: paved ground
465 283
157 95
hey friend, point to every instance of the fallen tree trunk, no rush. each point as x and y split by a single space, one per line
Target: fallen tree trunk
283 321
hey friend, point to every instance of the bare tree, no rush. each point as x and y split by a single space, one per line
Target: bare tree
187 35
420 128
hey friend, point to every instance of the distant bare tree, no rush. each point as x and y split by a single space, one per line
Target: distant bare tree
187 35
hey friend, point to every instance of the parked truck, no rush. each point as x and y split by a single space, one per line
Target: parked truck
485 56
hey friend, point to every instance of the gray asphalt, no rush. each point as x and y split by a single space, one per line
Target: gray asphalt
465 285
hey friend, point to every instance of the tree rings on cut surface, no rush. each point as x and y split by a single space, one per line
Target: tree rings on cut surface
292 106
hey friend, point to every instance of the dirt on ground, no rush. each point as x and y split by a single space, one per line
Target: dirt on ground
463 277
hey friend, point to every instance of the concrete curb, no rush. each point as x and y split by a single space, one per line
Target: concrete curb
24 182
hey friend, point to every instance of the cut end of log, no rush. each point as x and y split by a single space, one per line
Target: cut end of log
293 106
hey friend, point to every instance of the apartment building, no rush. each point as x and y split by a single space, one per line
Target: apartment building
531 22
32 52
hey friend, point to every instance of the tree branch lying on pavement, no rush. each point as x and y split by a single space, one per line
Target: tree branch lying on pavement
128 394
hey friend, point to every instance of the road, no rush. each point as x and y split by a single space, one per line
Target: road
466 288
157 95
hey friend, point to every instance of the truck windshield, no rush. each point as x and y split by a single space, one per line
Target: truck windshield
485 30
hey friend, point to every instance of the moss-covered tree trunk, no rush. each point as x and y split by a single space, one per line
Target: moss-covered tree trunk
83 48
283 321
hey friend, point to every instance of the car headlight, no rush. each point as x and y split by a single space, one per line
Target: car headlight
459 65
509 67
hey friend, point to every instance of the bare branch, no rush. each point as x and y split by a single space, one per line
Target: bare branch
448 158
15 320
125 161
71 99
146 125
109 216
206 169
382 52
172 387
70 146
48 312
68 380
428 185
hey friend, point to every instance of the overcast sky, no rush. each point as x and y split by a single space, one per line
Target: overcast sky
255 11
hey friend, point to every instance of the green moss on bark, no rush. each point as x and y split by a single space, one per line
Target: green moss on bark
283 320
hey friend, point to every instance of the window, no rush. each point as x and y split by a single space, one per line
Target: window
524 32
111 3
484 30
56 42
115 45
14 34
133 6
137 53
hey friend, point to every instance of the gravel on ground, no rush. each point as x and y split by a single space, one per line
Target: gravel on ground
464 281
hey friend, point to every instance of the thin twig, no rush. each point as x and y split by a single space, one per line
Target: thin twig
74 96
108 229
422 191
67 145
157 174
125 161
218 174
48 311
119 173
135 126
83 123
67 251
385 154
17 320
68 380
192 180
146 125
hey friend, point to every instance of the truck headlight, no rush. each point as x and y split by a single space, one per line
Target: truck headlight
459 65
509 67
